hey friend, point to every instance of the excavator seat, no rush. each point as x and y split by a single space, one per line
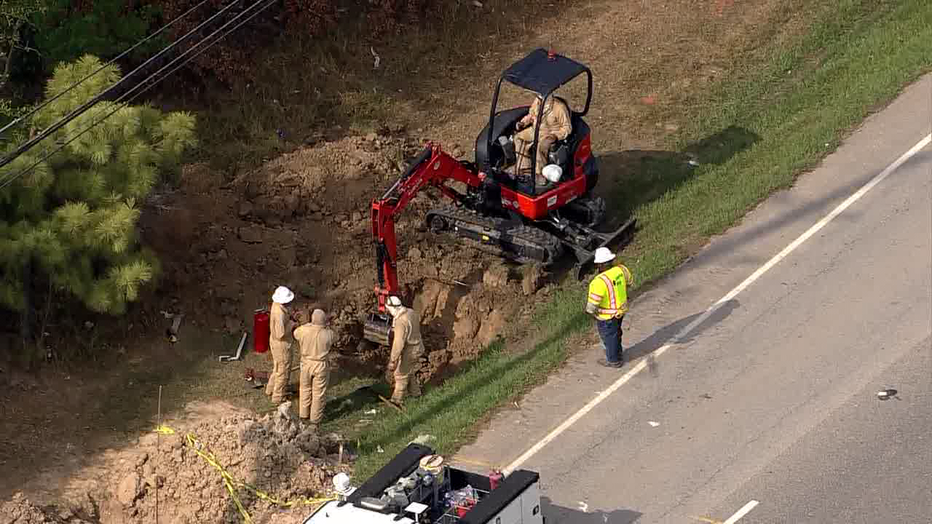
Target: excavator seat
562 151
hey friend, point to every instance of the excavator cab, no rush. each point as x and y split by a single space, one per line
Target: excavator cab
541 72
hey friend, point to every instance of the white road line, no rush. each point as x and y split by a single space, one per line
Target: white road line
642 363
741 512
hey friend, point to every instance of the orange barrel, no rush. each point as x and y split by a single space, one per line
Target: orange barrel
260 331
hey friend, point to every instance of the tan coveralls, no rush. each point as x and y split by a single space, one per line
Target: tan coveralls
555 126
314 342
407 349
280 343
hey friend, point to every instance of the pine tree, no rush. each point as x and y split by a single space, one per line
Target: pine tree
72 219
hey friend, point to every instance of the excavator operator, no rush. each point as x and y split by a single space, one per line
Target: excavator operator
555 125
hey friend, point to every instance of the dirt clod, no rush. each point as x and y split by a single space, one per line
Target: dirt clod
496 276
491 326
250 235
530 281
276 453
129 489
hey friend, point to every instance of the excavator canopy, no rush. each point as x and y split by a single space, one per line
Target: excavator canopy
543 72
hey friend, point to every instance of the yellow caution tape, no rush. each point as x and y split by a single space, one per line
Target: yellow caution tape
232 484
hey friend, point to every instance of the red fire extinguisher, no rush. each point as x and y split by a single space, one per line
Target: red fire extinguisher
495 478
260 331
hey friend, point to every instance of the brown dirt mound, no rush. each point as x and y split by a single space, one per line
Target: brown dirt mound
302 220
275 453
19 510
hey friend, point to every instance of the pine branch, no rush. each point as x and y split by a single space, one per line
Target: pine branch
11 295
143 182
39 178
115 227
43 244
129 278
175 133
98 298
11 251
76 277
76 215
75 218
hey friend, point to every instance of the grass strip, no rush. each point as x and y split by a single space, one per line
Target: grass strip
798 104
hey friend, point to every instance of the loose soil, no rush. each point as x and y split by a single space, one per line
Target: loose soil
275 454
226 240
302 220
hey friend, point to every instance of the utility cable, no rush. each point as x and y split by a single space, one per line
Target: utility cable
29 144
5 182
99 69
10 178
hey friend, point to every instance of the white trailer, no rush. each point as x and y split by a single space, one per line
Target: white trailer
406 492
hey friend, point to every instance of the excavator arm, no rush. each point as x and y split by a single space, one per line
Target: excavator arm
432 167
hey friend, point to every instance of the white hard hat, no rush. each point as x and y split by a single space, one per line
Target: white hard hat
394 301
282 295
603 254
552 172
341 482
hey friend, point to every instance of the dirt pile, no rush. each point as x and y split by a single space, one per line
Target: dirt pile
19 510
302 220
275 454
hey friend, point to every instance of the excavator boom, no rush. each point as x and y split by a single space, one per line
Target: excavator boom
523 228
432 167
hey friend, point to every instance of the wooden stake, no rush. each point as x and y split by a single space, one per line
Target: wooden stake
158 455
390 403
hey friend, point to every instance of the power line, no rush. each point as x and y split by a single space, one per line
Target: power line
99 69
10 178
29 144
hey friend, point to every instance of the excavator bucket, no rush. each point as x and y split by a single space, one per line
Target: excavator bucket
377 328
585 257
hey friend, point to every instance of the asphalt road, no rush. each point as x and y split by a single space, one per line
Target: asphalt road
773 398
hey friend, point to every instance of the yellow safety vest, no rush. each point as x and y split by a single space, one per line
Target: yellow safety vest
609 292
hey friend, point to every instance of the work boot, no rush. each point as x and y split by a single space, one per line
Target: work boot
606 363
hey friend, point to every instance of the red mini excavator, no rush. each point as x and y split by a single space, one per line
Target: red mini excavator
512 213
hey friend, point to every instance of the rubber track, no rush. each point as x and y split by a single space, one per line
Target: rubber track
523 234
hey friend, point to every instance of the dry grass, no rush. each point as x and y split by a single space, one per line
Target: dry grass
328 87
763 67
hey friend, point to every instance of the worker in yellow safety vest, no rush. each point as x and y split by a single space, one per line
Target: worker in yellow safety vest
608 303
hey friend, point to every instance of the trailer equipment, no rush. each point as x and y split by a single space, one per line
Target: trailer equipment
415 487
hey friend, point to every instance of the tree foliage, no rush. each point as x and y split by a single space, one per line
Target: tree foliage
104 28
51 31
74 215
16 18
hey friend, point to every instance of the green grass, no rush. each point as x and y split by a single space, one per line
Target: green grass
789 110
